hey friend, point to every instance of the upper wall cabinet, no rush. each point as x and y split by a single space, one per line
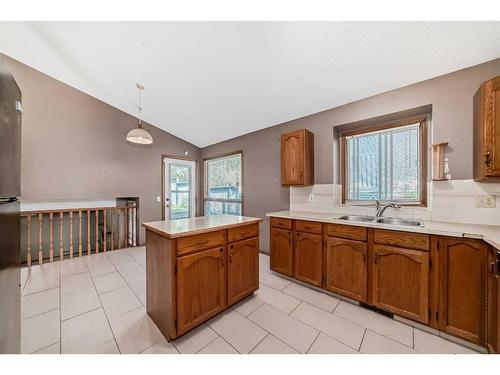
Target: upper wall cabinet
297 158
487 130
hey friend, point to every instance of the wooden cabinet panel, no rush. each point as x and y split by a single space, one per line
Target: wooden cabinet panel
186 245
308 255
417 241
400 281
242 269
487 130
281 252
463 288
201 287
493 323
347 231
346 267
240 233
278 222
308 226
297 158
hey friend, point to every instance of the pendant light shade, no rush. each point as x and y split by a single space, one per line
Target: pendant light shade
139 135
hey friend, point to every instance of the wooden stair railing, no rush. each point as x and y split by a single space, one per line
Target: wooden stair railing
105 234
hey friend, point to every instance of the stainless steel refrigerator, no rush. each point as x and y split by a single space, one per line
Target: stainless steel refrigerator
10 219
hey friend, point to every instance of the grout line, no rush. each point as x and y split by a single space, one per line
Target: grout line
83 313
362 340
216 334
295 308
45 347
310 346
251 350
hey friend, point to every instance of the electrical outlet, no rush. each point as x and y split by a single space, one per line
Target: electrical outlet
311 197
158 198
486 201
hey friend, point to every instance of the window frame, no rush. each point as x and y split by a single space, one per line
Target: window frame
205 182
423 144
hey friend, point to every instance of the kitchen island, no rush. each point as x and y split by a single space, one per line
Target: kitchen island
198 267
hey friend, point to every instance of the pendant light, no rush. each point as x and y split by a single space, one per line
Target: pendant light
139 135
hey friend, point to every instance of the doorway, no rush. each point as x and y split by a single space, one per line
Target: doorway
179 188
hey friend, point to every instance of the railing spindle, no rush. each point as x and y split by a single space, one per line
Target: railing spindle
119 219
61 247
96 231
112 230
51 239
28 253
88 232
104 230
126 227
40 246
71 234
80 233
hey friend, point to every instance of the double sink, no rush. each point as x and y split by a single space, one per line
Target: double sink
383 220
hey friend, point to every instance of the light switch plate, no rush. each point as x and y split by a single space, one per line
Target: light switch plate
158 198
486 201
311 197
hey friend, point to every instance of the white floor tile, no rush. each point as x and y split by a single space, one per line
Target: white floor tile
139 254
195 340
25 272
51 349
273 280
376 322
271 345
373 343
73 266
85 333
119 302
119 256
40 302
290 330
326 345
313 297
74 283
339 328
109 282
99 264
40 331
248 305
162 347
43 277
142 297
237 330
79 302
279 300
134 331
430 344
109 347
219 346
134 275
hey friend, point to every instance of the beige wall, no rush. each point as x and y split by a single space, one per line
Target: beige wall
451 100
74 147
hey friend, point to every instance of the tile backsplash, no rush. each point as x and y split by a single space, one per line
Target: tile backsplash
450 201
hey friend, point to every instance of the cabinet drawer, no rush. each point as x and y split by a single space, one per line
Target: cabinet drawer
198 242
308 226
278 222
240 233
417 241
347 231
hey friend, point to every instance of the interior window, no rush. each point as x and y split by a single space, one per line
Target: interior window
223 185
385 163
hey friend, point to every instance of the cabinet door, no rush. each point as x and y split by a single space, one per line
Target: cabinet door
492 128
462 278
400 281
346 271
281 251
292 158
493 331
308 257
242 269
201 287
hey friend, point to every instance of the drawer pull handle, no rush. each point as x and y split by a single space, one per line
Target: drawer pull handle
201 242
307 227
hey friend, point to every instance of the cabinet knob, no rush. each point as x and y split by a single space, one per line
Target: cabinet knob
487 158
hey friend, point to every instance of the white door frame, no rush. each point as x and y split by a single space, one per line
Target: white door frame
167 161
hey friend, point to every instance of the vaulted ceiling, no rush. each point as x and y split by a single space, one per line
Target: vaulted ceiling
210 81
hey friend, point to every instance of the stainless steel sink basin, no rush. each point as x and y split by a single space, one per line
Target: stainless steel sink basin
404 222
364 219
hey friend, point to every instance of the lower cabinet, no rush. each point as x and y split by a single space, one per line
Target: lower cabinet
493 333
308 256
242 269
400 281
281 257
462 302
201 287
346 267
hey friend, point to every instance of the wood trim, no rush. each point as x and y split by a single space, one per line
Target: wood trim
423 143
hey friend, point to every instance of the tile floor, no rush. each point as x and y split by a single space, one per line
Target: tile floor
95 304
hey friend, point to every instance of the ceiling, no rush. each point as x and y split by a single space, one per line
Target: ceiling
211 81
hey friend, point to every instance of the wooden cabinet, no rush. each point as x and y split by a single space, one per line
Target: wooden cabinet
297 158
201 287
493 322
462 279
400 281
487 130
281 251
242 269
308 254
346 271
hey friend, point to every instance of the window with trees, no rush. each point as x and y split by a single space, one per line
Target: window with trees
223 185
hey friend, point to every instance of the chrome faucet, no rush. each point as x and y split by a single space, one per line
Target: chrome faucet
380 208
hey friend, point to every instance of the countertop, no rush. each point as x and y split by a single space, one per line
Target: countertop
488 233
186 227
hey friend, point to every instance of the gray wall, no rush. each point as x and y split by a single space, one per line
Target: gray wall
74 147
451 99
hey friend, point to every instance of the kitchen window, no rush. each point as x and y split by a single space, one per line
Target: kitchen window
223 185
386 162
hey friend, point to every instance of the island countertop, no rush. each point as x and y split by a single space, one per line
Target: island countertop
202 224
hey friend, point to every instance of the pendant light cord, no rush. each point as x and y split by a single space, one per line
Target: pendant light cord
140 108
